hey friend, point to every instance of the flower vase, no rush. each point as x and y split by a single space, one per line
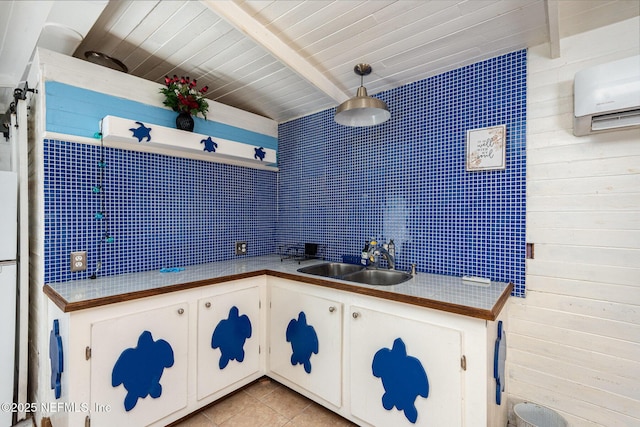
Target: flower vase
184 121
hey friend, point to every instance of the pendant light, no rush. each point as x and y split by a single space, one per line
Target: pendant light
362 110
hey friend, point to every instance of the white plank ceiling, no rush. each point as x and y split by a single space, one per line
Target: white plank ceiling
287 59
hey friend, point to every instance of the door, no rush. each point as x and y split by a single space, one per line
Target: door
8 333
306 342
228 339
404 372
139 367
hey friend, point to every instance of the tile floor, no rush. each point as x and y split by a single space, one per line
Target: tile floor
265 403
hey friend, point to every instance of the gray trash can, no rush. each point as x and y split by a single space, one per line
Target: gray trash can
532 415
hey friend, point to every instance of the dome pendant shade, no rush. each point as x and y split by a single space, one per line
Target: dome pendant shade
362 110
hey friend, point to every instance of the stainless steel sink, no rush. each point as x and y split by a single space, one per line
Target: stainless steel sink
378 277
357 273
331 269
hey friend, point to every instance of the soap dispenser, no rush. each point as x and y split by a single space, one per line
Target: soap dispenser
364 257
392 248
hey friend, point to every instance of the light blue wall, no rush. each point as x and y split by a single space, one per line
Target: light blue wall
406 179
75 111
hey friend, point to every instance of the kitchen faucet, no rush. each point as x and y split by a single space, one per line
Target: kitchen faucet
376 250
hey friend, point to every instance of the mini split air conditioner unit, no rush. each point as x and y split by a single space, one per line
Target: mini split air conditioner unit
607 97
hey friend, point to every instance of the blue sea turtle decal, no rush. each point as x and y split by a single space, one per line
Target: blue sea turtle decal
304 341
403 379
57 359
230 336
140 368
141 132
499 357
259 153
209 145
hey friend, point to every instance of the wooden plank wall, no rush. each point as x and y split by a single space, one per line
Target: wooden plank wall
574 341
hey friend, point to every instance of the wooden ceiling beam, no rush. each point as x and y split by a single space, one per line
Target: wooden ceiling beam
253 29
551 7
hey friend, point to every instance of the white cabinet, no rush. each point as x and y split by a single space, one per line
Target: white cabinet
228 339
139 366
150 361
404 371
374 361
306 340
388 363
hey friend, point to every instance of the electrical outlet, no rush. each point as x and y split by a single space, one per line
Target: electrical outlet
241 248
79 261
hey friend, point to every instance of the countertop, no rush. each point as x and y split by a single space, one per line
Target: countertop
446 293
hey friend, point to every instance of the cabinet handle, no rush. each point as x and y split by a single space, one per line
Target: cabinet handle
355 314
332 309
207 304
181 311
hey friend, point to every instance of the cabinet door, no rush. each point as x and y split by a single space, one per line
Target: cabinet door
404 372
139 367
306 342
228 339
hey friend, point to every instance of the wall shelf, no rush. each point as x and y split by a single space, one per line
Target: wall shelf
136 135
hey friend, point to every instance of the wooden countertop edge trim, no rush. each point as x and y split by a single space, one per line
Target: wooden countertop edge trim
497 308
408 299
67 306
479 313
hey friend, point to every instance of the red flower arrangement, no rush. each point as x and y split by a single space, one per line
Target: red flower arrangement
182 95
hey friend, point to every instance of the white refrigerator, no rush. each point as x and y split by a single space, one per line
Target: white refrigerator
8 286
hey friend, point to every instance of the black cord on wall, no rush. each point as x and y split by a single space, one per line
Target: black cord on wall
101 216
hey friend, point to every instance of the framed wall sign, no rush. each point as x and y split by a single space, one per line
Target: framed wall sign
486 148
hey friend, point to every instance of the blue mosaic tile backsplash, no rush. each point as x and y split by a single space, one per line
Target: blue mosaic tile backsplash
406 180
403 180
161 211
